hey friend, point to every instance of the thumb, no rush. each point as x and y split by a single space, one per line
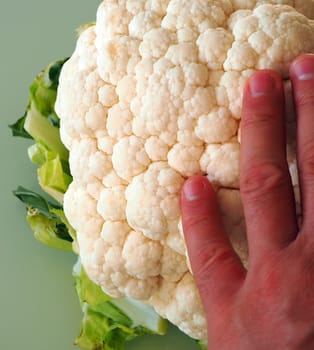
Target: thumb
217 269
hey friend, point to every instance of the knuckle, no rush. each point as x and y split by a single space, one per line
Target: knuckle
195 223
262 178
307 163
256 120
305 101
211 257
304 242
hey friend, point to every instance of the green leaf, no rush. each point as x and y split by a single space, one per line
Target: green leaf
97 333
40 121
43 132
34 200
93 327
83 27
203 344
54 120
53 173
87 290
52 74
70 230
18 128
114 313
45 219
43 91
37 153
108 322
52 177
48 231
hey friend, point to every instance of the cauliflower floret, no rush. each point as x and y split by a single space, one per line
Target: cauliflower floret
129 157
269 38
151 96
152 201
221 164
180 302
218 126
142 256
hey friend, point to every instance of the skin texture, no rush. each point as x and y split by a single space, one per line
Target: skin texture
271 304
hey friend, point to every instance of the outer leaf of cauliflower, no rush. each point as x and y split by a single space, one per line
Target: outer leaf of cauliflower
46 220
41 123
108 322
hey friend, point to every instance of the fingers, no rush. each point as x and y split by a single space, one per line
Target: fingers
302 76
265 183
216 268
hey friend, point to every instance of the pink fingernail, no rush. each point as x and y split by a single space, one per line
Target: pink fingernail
193 189
261 84
304 68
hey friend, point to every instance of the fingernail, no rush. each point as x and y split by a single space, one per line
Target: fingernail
261 84
193 189
304 68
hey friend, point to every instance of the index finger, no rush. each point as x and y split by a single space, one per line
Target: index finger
265 182
216 268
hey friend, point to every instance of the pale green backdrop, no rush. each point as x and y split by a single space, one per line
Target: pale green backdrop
39 309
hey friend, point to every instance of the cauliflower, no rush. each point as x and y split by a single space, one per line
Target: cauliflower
152 95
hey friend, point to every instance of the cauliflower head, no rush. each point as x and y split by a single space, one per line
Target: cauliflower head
152 95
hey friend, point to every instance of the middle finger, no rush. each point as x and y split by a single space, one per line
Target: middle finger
265 182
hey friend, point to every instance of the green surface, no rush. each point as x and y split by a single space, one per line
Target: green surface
39 308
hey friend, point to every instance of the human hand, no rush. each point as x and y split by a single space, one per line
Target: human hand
270 305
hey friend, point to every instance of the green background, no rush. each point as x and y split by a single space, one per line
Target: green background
39 309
